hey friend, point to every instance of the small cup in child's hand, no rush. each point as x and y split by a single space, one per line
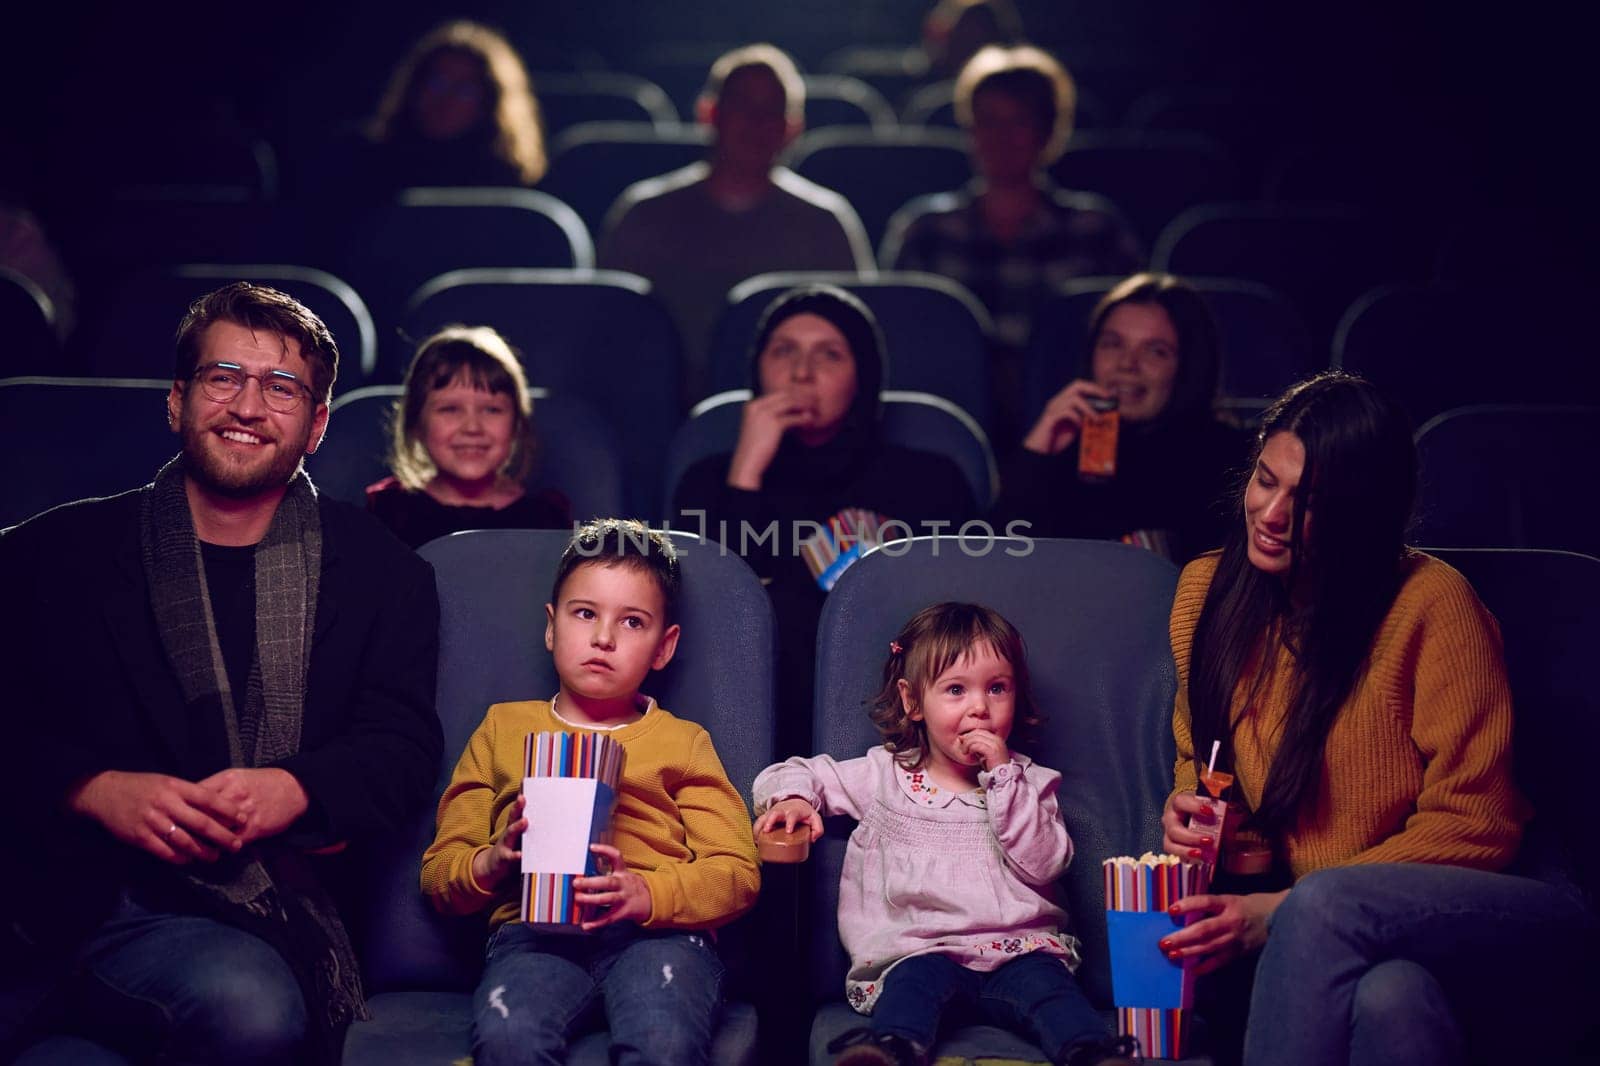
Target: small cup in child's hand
777 844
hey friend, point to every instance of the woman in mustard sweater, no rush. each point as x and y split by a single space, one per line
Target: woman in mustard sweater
1357 691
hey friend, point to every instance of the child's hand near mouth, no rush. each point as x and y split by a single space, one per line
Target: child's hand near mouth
985 747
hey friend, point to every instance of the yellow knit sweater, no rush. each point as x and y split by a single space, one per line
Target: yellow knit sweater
1418 762
679 823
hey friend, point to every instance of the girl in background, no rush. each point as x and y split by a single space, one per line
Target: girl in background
1153 349
459 110
462 444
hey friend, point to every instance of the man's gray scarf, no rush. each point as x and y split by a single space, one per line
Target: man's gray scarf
244 890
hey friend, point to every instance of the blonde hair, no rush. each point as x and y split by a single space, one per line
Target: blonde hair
766 57
518 136
1029 75
486 361
934 640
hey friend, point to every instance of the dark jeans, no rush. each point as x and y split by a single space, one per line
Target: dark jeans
1414 963
1366 965
189 990
1034 995
660 993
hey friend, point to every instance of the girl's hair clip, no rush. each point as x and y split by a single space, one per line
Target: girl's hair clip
895 648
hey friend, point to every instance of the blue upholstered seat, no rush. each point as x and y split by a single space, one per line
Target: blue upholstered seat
571 99
1500 476
935 332
595 335
1548 607
420 967
389 249
910 419
1320 256
577 454
1151 176
1094 616
1442 345
1266 346
132 334
593 163
28 323
878 171
81 437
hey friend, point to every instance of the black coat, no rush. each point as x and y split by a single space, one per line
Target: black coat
914 487
1179 477
87 688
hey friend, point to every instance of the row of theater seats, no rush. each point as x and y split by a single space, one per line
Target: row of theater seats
579 454
568 98
600 334
1252 155
1095 618
1181 192
1492 475
221 154
1150 176
1177 194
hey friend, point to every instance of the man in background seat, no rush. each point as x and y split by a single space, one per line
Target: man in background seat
699 231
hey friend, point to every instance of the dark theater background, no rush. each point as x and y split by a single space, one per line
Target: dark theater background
1453 141
1462 126
1412 183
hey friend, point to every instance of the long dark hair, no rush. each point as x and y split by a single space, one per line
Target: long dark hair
514 129
1199 348
1358 482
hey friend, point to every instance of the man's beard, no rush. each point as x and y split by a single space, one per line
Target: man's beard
235 480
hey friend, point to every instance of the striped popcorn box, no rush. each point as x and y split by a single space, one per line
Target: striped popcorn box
1152 993
570 781
835 546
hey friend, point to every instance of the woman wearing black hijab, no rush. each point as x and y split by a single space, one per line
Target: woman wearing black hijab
810 450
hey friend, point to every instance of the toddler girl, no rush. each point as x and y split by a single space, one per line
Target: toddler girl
948 897
462 442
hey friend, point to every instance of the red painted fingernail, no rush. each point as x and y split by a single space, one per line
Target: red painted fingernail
1195 853
1164 945
1173 956
1173 909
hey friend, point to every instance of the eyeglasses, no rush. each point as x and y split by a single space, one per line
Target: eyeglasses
223 382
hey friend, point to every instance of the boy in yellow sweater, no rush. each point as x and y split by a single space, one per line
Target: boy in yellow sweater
683 860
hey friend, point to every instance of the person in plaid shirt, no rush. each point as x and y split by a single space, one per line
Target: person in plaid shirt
1012 235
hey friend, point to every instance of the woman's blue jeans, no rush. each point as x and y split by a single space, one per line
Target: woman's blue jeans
1034 995
660 994
1412 963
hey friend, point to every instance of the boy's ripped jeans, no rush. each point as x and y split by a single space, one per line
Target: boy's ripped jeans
658 993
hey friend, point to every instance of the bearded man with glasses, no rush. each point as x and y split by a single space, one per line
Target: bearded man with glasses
216 683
